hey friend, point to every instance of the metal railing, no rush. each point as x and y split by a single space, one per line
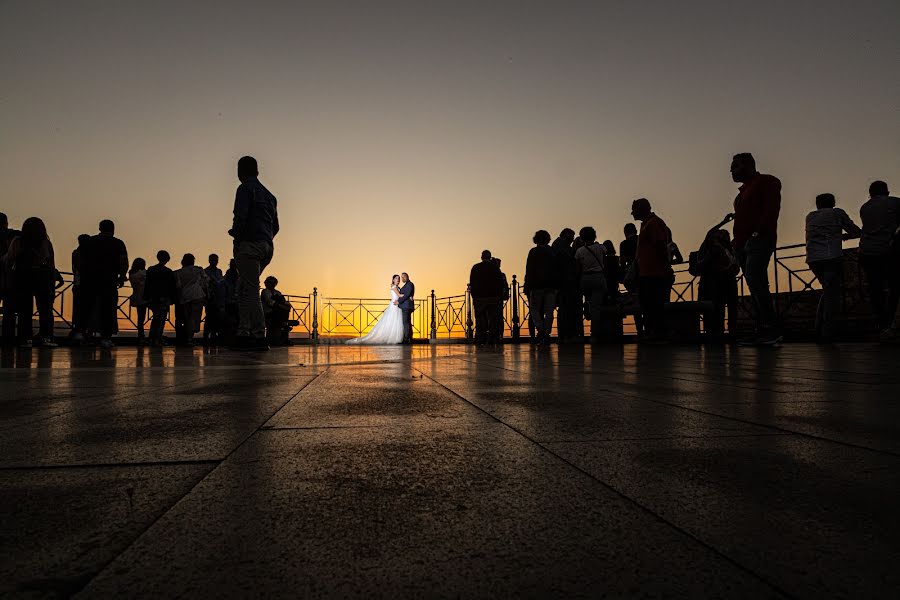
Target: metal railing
451 317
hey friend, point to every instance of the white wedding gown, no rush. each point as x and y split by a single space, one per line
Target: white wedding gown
388 329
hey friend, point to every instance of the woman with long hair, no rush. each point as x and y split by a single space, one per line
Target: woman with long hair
31 259
137 277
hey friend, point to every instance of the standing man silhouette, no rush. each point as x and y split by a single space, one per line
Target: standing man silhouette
254 230
756 210
406 302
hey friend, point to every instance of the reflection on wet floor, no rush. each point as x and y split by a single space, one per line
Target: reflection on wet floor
448 470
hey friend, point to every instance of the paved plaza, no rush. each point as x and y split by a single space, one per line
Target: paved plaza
444 471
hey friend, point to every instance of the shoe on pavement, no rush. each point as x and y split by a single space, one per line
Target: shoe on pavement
107 344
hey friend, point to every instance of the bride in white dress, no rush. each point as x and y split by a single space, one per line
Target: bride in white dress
389 328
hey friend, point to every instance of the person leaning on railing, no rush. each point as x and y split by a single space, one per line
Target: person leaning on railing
486 288
541 285
879 251
826 228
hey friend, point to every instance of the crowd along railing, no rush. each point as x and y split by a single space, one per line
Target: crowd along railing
452 317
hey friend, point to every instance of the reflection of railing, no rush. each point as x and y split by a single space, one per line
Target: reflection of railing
451 317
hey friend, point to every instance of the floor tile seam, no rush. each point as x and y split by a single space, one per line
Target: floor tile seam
688 379
663 438
319 427
265 424
99 402
119 465
749 422
776 428
187 493
634 502
783 369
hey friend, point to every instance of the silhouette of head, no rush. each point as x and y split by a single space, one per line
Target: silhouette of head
878 188
247 168
496 261
541 238
214 260
578 243
4 221
567 235
825 201
485 255
270 282
188 260
404 277
610 247
137 265
743 167
630 229
83 239
588 234
34 232
640 209
163 257
107 226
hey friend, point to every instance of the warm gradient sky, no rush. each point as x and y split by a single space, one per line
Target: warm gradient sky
411 135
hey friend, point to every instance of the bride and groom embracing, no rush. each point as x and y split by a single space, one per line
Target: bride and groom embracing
395 324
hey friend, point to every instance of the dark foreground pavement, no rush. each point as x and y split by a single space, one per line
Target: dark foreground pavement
445 472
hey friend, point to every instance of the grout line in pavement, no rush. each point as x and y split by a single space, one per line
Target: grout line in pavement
728 417
100 401
152 463
314 428
627 498
663 437
166 511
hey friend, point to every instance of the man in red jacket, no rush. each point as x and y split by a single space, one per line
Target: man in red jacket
756 211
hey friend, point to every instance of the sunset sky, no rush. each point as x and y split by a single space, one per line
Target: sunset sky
412 135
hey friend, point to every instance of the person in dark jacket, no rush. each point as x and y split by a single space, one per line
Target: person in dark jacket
30 257
569 318
541 285
612 268
756 210
504 298
160 291
104 268
254 229
6 285
81 304
486 289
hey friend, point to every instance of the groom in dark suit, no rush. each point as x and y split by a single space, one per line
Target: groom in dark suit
407 305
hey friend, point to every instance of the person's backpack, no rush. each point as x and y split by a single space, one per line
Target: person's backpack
696 264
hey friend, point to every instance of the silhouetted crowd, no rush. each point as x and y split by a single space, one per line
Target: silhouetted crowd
580 279
236 312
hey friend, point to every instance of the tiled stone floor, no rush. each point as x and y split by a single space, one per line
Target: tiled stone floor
442 471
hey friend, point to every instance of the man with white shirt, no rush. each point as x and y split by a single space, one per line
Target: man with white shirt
826 228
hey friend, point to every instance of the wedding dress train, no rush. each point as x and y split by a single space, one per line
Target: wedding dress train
388 329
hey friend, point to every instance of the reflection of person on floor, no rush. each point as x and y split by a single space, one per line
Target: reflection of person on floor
277 311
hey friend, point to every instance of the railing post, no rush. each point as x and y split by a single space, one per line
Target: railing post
515 309
775 263
433 334
470 332
314 334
